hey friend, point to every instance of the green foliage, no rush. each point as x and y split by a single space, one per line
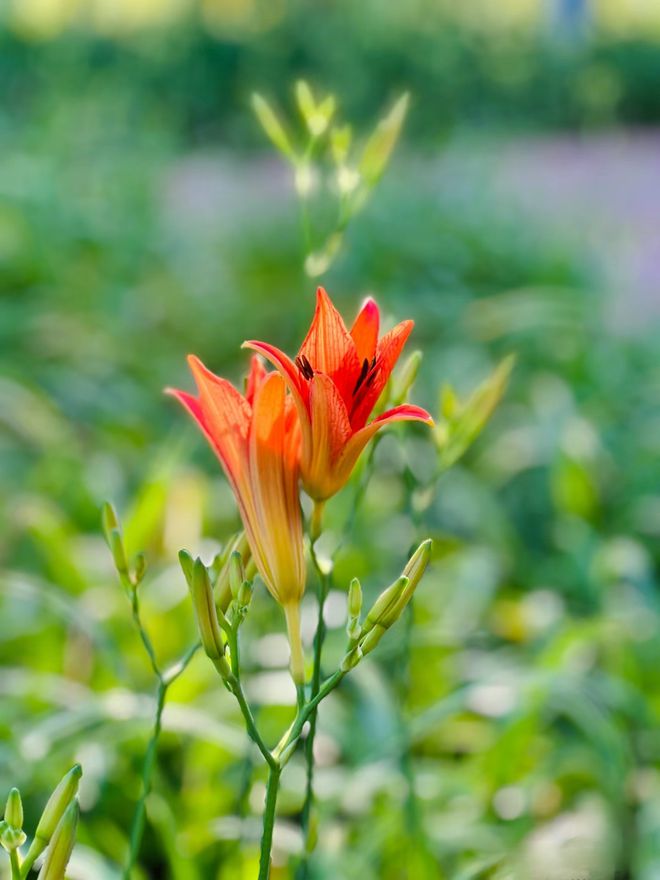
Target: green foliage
529 709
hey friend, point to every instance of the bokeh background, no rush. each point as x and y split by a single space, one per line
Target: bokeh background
142 216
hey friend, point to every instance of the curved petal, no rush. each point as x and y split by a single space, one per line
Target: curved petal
329 347
331 430
365 330
388 352
277 538
254 378
284 364
352 450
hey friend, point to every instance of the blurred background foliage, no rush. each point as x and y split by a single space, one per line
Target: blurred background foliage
141 217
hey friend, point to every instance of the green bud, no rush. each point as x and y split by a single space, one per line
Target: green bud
109 520
340 142
140 567
116 543
61 845
223 592
403 382
417 563
236 573
187 564
245 594
371 640
354 598
206 612
11 828
272 125
59 800
384 603
14 809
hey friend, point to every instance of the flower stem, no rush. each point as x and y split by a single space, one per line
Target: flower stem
269 820
15 866
137 826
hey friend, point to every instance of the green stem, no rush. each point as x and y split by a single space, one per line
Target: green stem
137 826
269 820
250 723
15 866
319 639
146 641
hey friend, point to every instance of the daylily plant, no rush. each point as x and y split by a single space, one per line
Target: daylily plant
336 380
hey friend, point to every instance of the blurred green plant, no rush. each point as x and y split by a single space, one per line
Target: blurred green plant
328 169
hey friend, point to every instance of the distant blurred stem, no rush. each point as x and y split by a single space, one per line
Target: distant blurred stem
137 827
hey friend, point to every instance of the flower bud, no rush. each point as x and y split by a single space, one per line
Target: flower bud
354 598
187 564
14 809
371 639
140 567
61 845
223 590
116 544
384 603
351 659
272 125
11 828
57 803
109 520
206 612
245 594
236 573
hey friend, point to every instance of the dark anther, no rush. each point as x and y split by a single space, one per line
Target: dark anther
361 377
305 367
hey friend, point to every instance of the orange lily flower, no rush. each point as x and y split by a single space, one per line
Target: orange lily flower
257 439
336 380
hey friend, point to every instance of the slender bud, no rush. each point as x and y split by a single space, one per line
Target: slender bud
351 659
245 594
384 603
371 640
187 564
61 845
116 544
14 809
403 382
272 125
205 611
109 520
140 567
236 573
413 571
223 593
11 828
354 598
59 800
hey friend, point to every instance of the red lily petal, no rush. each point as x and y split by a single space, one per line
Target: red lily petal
365 330
352 450
332 430
290 372
387 354
226 416
274 488
255 377
329 347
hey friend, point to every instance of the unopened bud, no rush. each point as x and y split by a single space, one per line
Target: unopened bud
384 603
272 125
403 382
116 544
57 803
351 659
187 564
11 828
417 563
205 612
61 845
14 809
223 592
371 640
354 598
140 567
109 520
245 594
236 573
